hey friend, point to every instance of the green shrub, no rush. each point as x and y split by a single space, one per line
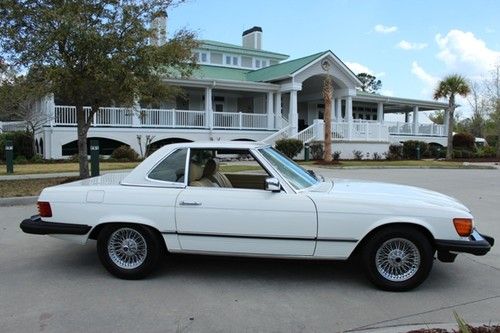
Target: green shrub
289 147
124 153
37 158
20 159
336 155
492 140
464 141
462 153
358 154
395 152
485 152
410 149
22 141
377 156
435 151
316 150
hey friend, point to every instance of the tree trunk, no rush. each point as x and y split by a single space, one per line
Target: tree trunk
82 129
327 95
451 118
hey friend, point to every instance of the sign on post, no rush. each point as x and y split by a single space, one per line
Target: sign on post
94 158
9 156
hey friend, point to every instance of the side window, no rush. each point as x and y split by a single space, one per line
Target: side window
229 168
172 168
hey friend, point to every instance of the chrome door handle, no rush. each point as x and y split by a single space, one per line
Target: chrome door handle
190 203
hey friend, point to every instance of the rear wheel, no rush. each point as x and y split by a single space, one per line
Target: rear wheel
398 258
128 251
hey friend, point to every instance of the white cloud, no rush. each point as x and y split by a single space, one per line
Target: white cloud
465 53
430 81
385 29
405 45
359 68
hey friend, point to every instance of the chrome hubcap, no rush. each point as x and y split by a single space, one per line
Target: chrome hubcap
398 259
127 248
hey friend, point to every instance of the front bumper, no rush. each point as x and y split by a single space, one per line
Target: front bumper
36 226
477 244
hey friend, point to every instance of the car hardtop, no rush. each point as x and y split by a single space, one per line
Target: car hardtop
138 176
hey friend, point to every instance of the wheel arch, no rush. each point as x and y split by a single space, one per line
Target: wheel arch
417 226
94 233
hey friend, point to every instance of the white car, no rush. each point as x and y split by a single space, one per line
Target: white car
247 199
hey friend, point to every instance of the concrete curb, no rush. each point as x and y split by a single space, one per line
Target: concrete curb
410 327
18 201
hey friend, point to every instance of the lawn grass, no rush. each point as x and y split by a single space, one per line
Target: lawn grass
24 169
431 164
27 187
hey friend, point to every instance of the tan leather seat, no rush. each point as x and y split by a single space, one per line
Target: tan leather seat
211 172
196 177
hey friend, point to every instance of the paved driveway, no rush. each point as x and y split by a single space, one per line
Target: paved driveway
53 286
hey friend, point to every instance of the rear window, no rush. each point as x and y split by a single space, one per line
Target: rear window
172 168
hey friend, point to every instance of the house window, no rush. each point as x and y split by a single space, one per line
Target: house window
257 63
204 57
201 57
232 60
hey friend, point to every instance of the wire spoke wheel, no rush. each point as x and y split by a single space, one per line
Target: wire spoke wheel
397 259
127 248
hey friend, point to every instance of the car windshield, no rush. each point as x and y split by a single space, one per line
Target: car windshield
297 176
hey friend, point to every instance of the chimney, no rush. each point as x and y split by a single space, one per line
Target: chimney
252 38
159 27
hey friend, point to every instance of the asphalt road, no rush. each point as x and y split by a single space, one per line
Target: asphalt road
49 285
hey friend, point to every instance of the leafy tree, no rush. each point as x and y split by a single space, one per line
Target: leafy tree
327 117
369 83
493 95
94 52
449 87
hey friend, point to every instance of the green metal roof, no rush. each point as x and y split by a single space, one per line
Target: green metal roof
220 73
283 69
232 48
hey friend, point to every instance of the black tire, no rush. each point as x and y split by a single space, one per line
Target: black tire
148 245
407 276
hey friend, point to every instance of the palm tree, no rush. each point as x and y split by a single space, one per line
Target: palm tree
327 118
449 87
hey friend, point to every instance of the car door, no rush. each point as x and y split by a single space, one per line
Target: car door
245 221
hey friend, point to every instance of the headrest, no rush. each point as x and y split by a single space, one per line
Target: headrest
195 172
211 167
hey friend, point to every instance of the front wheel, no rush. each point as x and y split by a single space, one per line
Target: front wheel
128 251
398 258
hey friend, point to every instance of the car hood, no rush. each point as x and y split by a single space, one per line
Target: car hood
387 192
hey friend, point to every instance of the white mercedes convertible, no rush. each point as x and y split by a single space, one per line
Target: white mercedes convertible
247 199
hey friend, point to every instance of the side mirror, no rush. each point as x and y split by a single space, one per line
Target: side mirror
273 184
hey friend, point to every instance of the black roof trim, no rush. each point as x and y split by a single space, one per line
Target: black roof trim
255 28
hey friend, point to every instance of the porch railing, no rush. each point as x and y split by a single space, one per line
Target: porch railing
240 120
400 128
360 131
170 118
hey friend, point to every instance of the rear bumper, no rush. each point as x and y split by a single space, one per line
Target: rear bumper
477 244
36 226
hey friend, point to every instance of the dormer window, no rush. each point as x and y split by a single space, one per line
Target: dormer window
231 60
260 63
201 57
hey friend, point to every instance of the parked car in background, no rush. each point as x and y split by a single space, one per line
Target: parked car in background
247 199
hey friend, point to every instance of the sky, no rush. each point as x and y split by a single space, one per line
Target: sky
409 45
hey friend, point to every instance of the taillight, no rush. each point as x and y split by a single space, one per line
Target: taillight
463 226
44 209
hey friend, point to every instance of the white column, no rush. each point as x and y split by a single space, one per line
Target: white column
332 111
348 111
270 111
338 108
277 110
380 112
293 113
208 108
415 120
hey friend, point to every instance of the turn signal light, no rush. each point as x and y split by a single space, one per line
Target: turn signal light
44 209
463 226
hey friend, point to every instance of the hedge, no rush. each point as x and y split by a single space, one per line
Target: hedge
23 144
